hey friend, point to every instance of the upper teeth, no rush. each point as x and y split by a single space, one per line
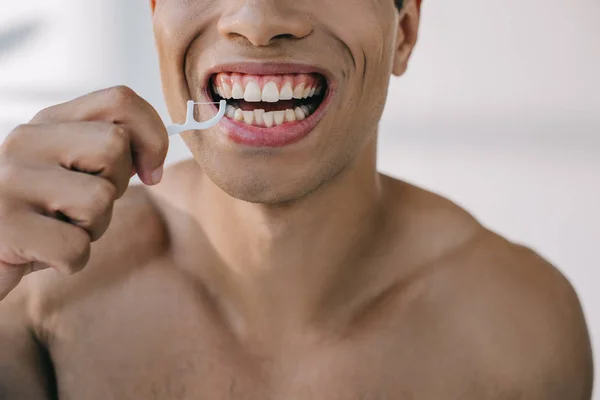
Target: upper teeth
271 91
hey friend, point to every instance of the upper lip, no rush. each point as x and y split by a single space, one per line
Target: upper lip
255 68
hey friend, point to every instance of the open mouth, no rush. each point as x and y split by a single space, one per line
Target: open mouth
269 101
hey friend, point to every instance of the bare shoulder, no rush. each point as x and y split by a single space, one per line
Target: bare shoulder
516 317
501 306
428 225
521 317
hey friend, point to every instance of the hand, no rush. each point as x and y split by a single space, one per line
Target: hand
61 174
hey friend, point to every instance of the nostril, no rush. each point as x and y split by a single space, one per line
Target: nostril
284 36
262 26
236 37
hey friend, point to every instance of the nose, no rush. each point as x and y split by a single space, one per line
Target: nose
260 22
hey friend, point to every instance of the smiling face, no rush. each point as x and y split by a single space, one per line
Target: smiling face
305 82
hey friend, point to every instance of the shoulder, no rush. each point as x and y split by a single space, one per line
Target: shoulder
428 227
507 310
516 316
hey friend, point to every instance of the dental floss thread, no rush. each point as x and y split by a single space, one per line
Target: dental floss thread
192 125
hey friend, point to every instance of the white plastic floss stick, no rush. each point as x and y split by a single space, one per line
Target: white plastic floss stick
192 125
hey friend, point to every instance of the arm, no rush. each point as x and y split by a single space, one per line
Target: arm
25 370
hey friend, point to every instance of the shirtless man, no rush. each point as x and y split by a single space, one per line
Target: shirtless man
277 264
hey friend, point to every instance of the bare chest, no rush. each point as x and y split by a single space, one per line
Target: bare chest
160 341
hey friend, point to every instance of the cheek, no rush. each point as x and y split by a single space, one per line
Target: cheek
177 24
367 31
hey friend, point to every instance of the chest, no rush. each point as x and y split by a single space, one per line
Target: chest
146 356
164 342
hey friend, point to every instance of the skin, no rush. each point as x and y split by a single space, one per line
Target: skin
297 272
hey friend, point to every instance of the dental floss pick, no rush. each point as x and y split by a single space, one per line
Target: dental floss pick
192 125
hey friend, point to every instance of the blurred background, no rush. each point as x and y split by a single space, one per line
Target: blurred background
499 111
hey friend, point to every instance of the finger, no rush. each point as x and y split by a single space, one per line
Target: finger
120 105
85 200
47 241
10 276
99 148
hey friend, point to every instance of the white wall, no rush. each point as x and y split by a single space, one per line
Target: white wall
500 109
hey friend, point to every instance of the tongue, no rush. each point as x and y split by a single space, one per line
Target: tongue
281 105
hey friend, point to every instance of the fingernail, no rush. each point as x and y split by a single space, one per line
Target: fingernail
157 175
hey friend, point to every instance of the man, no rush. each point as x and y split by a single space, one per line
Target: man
278 264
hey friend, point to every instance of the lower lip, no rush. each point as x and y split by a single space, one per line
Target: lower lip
277 136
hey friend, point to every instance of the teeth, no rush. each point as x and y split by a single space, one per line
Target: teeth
230 112
259 117
237 92
239 115
279 117
270 93
299 91
252 93
269 119
225 90
290 115
248 117
300 115
287 92
306 93
266 89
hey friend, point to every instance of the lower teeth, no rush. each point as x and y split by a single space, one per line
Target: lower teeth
271 118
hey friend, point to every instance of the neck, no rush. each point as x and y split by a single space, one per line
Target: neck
278 261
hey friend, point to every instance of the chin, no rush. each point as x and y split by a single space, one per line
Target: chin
267 183
258 190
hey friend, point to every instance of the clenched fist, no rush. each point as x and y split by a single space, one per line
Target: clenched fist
61 174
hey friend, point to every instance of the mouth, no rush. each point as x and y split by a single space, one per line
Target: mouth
270 109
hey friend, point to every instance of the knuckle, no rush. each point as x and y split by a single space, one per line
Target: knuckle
44 115
117 141
121 95
14 140
9 175
102 195
20 130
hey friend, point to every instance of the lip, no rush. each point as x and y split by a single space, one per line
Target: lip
276 136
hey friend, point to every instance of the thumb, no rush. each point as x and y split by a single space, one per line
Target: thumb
149 154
